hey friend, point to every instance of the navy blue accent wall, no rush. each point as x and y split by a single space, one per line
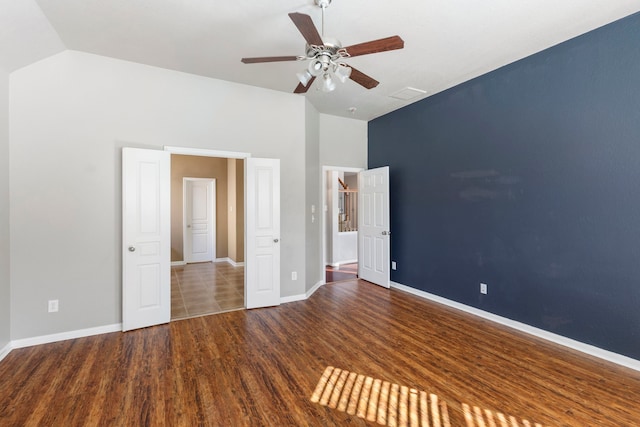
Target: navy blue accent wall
527 179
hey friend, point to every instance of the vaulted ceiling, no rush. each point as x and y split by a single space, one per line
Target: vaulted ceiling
446 42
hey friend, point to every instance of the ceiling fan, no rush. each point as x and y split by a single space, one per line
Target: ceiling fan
326 56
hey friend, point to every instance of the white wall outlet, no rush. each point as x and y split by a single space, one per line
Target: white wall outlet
394 266
294 275
484 288
53 306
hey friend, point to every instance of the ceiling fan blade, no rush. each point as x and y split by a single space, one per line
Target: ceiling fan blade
362 79
306 28
375 46
302 88
268 59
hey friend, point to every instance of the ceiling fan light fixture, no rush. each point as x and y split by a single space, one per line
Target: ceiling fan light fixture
342 72
328 85
315 67
304 77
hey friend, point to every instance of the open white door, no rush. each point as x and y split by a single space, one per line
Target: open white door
373 226
146 238
262 287
199 219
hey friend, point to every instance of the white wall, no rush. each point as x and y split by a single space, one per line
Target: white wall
313 220
70 116
343 142
4 211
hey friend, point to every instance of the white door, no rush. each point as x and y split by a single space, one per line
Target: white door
199 219
373 226
263 232
146 238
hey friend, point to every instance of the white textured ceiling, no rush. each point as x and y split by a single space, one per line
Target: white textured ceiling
446 42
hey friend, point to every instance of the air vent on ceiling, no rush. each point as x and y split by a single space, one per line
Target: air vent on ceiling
408 93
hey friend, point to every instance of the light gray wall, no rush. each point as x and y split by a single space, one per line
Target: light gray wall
343 142
313 220
70 116
4 211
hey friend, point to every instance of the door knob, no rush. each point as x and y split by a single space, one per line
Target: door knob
386 233
276 240
189 226
132 248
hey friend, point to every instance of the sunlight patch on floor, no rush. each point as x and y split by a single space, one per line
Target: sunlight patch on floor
477 417
379 401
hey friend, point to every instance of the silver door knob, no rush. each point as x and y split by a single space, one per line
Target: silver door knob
384 233
132 248
276 240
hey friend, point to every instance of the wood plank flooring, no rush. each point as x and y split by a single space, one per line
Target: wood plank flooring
263 367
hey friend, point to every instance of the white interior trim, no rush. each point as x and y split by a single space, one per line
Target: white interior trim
531 330
5 351
62 336
178 263
206 153
230 261
293 298
302 297
315 288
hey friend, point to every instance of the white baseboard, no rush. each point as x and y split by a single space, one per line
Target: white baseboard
46 339
314 289
531 330
338 264
302 297
230 261
293 298
4 351
226 259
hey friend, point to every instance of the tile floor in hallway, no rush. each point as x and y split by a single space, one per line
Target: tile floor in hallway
206 288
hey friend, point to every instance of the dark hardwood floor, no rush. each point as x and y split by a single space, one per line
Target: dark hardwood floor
352 352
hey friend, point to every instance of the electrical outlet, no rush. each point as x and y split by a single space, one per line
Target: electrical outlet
294 275
484 288
53 306
394 266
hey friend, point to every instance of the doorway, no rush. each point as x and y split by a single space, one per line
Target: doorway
147 231
340 223
207 235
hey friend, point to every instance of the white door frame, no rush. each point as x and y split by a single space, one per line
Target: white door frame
212 218
323 207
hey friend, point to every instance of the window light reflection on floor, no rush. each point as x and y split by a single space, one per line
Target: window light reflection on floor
379 401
